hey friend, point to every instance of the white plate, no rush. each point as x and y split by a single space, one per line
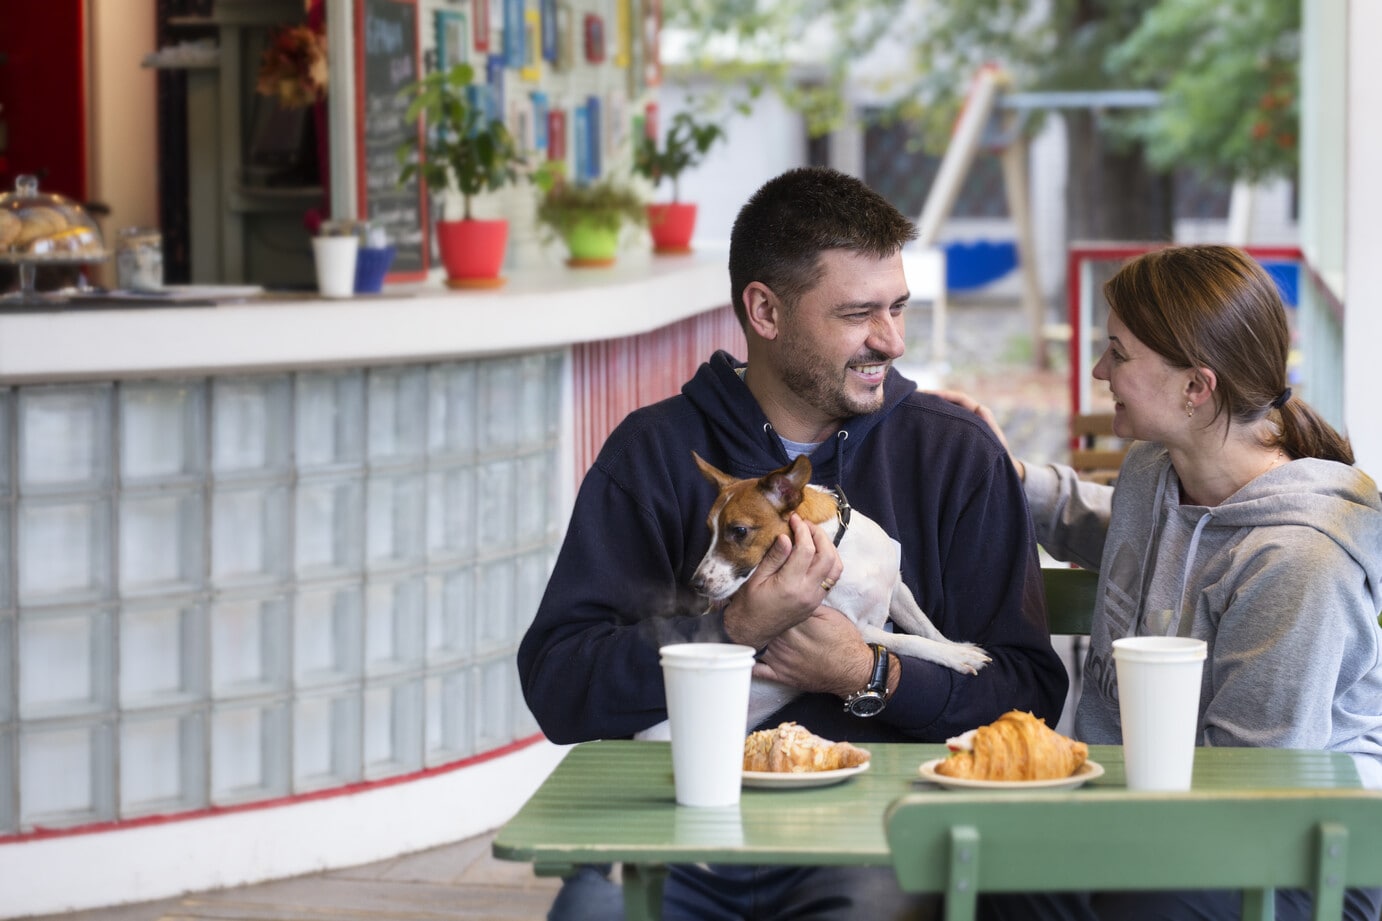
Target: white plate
780 780
1088 771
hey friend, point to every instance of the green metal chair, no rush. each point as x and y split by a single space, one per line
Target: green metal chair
961 844
1070 595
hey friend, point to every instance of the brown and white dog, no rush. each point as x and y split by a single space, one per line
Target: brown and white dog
748 516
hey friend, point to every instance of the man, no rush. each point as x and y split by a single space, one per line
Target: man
817 283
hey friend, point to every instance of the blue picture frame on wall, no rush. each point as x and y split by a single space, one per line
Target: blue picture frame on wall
515 34
453 38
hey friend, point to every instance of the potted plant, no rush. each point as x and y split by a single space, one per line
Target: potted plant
463 149
687 141
589 218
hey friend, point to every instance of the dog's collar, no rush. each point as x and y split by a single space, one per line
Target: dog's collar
841 510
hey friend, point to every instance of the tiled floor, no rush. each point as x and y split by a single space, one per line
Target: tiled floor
462 880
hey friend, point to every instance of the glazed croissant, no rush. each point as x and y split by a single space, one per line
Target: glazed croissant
794 749
1018 746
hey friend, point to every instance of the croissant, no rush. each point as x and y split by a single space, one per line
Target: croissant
794 749
1018 746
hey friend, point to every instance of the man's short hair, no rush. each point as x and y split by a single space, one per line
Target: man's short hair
784 227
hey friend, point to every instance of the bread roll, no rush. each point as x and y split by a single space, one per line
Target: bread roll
1018 746
794 749
9 229
38 223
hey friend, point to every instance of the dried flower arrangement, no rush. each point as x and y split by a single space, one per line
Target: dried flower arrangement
293 67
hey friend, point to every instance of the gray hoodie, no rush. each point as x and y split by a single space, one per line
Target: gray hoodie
1283 581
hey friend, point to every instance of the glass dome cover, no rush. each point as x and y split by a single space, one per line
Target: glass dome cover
43 227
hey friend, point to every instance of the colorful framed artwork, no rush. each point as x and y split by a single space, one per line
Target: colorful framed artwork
548 12
594 32
650 120
514 34
594 138
650 42
532 46
494 76
623 32
566 36
520 121
540 119
453 38
479 10
581 144
556 134
616 119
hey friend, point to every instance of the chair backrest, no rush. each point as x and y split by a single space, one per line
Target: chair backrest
1095 452
1070 595
961 844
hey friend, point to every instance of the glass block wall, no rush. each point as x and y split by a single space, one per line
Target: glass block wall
221 590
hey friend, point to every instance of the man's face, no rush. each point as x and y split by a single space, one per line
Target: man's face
838 341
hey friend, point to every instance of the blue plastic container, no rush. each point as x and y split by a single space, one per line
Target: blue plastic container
371 265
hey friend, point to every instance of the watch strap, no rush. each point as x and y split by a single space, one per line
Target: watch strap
878 681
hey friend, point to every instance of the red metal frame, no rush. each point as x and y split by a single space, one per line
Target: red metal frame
1109 252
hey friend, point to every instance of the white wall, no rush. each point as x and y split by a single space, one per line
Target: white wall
761 145
1362 233
123 119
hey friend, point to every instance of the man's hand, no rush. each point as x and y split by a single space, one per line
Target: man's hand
824 653
786 587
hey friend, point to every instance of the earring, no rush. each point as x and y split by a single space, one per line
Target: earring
1189 408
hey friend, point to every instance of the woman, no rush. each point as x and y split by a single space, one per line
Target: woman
1237 518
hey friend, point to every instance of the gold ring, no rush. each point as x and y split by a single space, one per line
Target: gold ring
827 584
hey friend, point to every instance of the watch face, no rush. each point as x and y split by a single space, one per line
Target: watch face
867 705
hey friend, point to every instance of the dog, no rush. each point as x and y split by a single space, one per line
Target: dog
747 517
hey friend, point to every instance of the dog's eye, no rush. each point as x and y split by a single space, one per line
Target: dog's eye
738 533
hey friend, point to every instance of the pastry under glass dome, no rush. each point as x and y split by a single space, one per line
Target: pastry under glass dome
40 229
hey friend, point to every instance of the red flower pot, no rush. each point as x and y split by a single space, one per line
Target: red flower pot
473 252
671 226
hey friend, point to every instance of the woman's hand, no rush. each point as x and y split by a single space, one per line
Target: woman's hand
965 401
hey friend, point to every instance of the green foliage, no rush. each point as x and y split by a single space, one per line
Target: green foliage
687 142
1226 68
460 149
1229 77
607 203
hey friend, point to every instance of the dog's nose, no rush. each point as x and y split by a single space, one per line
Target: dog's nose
698 583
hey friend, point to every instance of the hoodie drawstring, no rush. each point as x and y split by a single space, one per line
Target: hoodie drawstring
1187 623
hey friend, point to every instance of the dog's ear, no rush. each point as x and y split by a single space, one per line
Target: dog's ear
783 488
718 477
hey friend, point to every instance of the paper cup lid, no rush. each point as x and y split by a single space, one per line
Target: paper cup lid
707 655
1159 649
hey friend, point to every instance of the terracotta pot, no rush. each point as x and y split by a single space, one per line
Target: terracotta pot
473 252
672 225
591 244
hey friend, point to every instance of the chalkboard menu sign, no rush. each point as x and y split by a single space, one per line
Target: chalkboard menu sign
386 60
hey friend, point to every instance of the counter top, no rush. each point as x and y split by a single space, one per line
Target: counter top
543 308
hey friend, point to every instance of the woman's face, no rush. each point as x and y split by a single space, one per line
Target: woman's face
1149 395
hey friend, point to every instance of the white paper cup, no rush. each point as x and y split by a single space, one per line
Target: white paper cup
1159 705
707 707
335 260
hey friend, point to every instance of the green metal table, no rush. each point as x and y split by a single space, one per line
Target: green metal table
612 801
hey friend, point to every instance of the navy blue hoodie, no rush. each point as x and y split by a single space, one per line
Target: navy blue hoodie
930 473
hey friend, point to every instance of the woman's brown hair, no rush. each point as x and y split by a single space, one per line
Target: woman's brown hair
1216 307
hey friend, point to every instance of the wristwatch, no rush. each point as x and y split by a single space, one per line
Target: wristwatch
874 697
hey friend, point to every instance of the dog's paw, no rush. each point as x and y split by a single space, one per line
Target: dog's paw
966 658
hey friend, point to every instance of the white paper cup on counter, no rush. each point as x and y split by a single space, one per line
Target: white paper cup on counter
335 260
1159 705
707 708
